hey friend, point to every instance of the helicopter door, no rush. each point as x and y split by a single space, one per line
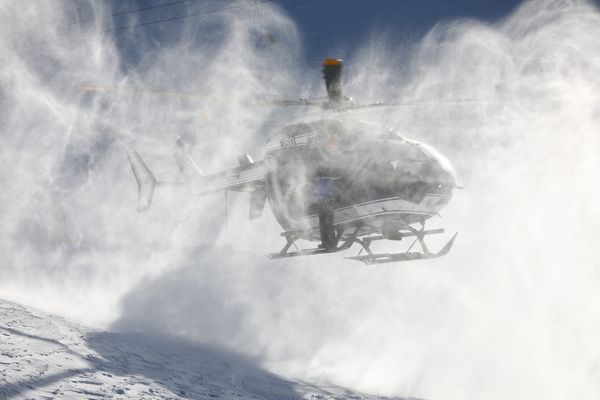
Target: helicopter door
294 180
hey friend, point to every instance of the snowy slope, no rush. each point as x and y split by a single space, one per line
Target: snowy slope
43 356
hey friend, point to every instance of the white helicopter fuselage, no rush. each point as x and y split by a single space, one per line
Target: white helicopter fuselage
419 180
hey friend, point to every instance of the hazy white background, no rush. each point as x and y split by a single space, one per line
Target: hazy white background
512 312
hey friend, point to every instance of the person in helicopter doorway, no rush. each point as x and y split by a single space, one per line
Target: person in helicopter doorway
326 194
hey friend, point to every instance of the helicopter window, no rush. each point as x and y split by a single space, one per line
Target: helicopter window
379 179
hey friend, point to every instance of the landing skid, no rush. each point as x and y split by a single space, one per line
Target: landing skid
370 257
382 258
292 236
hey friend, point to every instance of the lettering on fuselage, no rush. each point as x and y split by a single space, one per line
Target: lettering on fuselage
287 142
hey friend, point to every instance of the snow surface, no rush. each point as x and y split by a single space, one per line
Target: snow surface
44 356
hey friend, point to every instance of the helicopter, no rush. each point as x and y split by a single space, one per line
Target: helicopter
337 181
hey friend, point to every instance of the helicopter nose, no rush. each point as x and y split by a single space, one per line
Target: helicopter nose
446 172
451 177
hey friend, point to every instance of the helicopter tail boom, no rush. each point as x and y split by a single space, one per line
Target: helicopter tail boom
189 170
248 177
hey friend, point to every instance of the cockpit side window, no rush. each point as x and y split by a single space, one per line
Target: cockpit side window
382 176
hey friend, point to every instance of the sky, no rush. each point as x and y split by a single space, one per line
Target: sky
332 28
331 25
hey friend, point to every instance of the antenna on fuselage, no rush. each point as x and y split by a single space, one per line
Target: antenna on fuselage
332 73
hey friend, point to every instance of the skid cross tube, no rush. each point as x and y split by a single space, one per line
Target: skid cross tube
292 236
383 258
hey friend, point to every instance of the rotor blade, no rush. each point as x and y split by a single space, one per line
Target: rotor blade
259 100
291 103
105 89
458 102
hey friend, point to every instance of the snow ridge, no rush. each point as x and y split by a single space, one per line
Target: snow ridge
44 356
